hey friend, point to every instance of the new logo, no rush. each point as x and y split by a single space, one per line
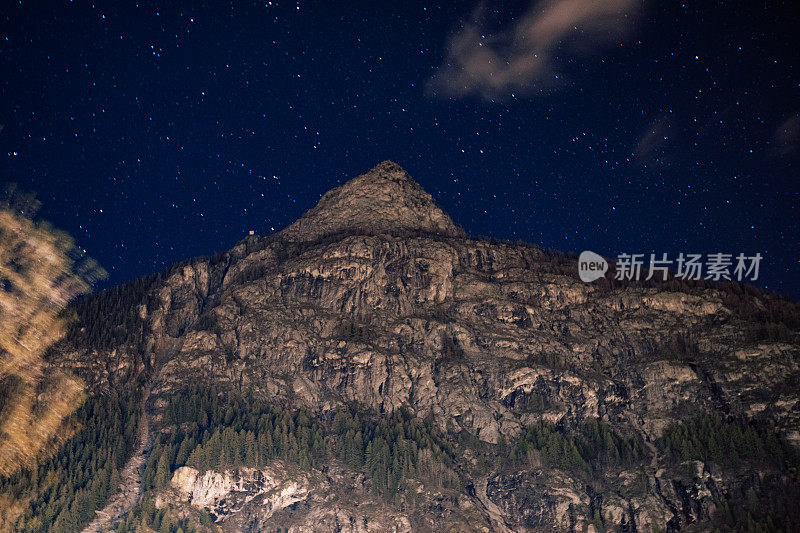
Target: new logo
591 266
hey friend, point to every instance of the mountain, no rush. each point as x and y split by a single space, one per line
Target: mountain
373 368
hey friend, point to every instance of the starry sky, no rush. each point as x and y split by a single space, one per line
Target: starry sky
154 132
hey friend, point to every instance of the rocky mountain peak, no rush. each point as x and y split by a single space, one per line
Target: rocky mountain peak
623 407
385 199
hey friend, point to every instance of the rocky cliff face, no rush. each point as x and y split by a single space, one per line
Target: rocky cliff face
376 298
261 499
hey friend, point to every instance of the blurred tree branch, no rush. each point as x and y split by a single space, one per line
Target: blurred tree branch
41 270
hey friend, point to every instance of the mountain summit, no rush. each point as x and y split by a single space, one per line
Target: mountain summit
384 200
372 368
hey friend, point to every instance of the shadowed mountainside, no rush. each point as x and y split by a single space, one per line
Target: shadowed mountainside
371 367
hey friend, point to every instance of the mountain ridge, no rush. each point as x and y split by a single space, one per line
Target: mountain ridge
490 350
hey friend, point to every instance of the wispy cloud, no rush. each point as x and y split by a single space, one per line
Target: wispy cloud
654 143
655 136
786 142
524 58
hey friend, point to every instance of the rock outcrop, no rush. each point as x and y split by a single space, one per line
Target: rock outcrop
257 499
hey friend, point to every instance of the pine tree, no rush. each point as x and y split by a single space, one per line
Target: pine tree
598 520
162 471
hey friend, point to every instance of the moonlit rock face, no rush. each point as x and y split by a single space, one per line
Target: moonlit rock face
384 200
369 302
225 493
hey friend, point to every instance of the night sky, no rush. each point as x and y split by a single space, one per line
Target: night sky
157 132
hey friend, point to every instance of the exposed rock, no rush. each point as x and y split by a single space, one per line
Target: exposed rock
382 201
375 297
250 499
226 493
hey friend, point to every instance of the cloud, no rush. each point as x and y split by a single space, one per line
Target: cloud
786 141
655 136
653 145
523 59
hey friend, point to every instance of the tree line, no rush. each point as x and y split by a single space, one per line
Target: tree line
594 446
213 431
62 493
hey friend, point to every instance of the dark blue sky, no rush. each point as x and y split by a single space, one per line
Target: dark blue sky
157 132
